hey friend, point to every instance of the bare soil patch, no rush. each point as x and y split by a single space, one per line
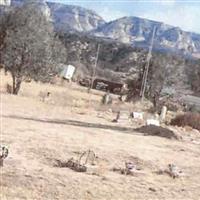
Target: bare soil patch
37 133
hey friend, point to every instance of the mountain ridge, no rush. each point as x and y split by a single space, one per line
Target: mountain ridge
132 30
74 18
138 31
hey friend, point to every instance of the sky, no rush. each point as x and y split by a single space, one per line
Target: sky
182 13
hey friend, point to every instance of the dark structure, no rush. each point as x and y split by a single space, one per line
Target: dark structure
105 85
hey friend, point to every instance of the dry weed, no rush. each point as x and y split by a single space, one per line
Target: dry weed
188 119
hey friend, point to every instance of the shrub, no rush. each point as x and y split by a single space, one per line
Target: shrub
188 119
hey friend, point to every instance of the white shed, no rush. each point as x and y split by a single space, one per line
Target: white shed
68 72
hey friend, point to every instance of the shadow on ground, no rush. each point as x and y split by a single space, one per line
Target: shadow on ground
76 123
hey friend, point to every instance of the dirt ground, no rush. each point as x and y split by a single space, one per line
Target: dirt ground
37 133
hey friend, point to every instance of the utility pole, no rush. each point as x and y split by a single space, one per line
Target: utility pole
94 69
146 71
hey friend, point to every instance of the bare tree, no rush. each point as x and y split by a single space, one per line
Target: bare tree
193 72
157 77
134 81
155 81
29 47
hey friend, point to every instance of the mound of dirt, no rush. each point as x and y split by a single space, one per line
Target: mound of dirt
157 131
188 119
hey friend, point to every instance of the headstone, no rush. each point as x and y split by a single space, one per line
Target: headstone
107 99
123 116
163 114
138 115
153 122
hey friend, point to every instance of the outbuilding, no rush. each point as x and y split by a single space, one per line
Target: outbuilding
68 72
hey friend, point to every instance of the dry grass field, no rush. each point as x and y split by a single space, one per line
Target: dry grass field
39 133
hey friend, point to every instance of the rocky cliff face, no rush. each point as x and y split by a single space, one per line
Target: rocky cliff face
42 5
5 2
68 17
138 32
4 6
131 30
75 18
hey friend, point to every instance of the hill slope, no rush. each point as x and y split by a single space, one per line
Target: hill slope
132 30
138 32
67 17
70 18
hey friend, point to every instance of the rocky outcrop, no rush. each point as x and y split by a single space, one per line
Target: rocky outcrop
74 18
138 32
41 4
5 2
131 30
68 17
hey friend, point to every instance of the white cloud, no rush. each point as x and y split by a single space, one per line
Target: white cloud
185 17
